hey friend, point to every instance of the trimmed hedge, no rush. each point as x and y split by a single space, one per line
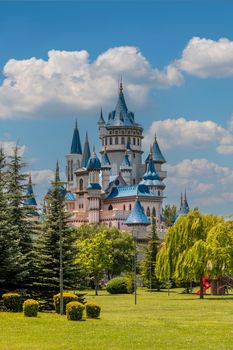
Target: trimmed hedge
67 298
92 310
119 285
12 302
74 311
30 308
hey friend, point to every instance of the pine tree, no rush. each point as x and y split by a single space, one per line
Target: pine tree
149 262
21 215
11 272
55 228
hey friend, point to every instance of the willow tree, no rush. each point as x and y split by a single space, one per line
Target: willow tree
185 253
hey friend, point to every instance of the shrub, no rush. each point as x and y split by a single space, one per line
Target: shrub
74 311
67 298
119 285
12 302
30 308
92 310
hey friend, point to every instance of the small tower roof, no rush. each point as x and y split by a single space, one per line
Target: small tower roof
126 161
151 177
101 119
76 147
105 159
137 216
57 174
184 207
156 153
30 200
86 152
93 162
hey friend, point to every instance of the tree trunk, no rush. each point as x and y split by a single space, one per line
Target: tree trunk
214 287
96 287
201 289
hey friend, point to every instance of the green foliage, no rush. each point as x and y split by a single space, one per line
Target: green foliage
12 302
92 310
30 308
119 285
67 298
169 212
147 266
74 311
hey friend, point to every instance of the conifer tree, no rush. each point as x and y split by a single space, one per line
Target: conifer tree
20 214
149 262
55 228
11 272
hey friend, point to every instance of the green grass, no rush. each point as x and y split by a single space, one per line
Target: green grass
158 321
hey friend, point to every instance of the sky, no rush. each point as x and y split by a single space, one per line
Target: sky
61 61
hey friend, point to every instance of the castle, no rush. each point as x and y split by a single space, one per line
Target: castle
103 191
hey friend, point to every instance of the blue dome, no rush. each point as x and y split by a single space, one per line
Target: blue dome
93 162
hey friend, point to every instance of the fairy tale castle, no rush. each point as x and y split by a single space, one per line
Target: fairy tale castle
103 190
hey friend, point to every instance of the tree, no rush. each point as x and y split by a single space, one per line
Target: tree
149 262
54 228
185 254
169 213
94 256
11 272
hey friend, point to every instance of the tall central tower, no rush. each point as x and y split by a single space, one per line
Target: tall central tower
121 133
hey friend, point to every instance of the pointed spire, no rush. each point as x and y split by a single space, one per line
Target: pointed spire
101 118
30 200
121 86
76 147
57 174
181 200
86 152
156 153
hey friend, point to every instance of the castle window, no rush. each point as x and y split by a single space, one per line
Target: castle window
122 132
154 212
134 132
128 139
119 225
124 207
81 185
134 181
102 142
122 140
130 207
110 132
148 211
110 141
129 132
116 132
110 207
134 141
106 141
158 193
138 141
134 155
116 140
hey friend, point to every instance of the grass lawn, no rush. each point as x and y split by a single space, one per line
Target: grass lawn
158 321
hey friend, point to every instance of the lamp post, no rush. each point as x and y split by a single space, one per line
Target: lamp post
138 221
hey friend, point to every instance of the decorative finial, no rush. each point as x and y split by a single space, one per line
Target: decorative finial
181 200
121 86
57 174
151 152
185 199
76 124
155 137
86 138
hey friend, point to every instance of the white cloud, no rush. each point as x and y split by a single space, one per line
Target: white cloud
190 133
207 58
9 146
71 81
44 176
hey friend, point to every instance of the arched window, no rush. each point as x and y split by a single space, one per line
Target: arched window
124 207
154 212
122 140
128 139
106 141
130 207
138 142
116 140
158 193
134 141
134 181
110 141
110 207
81 185
148 211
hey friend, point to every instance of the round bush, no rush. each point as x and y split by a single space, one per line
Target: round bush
74 311
118 285
30 308
12 302
92 310
67 298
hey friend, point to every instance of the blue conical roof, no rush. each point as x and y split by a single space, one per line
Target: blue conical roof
120 116
101 119
125 161
184 207
86 153
137 216
151 177
93 162
76 147
30 200
156 153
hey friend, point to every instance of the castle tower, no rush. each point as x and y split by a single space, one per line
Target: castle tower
121 130
126 169
158 159
106 170
94 188
86 153
30 198
73 159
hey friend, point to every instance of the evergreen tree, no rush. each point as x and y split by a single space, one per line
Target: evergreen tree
149 262
169 213
56 232
19 214
11 272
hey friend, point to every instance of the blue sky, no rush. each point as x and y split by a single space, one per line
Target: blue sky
176 59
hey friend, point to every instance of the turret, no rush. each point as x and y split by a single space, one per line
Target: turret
73 158
101 123
126 169
158 159
106 170
94 188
